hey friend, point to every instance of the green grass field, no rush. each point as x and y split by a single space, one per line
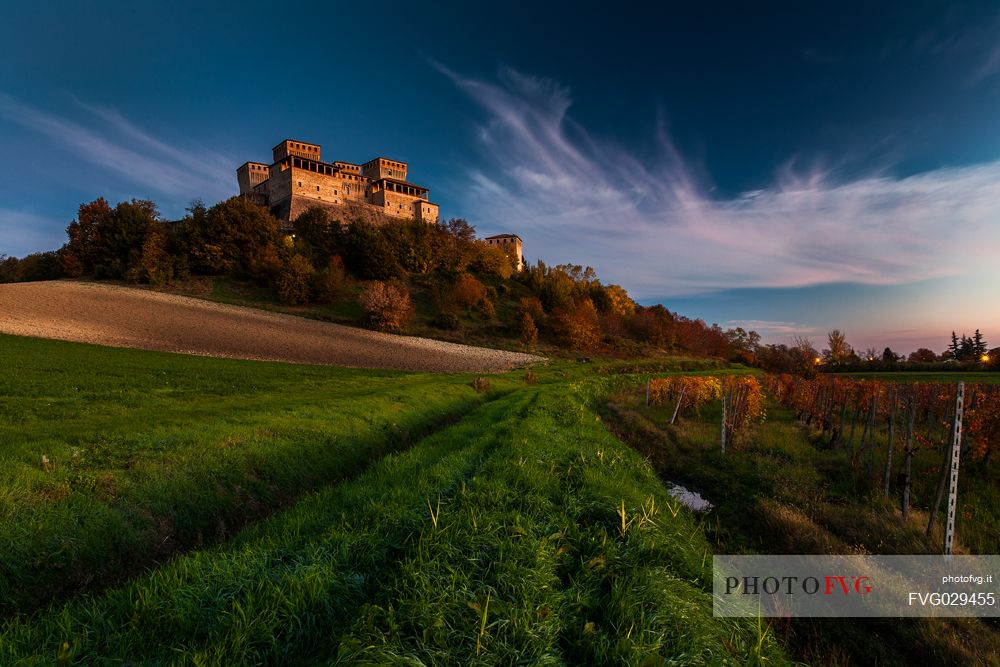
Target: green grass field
206 511
149 454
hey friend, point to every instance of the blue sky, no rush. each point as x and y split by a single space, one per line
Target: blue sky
789 167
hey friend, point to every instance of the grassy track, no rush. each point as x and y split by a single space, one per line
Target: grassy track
564 547
523 533
149 454
278 592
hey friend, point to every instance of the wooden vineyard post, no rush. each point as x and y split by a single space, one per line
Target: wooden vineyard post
678 407
647 392
956 450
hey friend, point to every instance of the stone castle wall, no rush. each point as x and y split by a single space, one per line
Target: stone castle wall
298 180
294 190
345 213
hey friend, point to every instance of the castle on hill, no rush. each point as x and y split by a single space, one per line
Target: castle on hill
297 179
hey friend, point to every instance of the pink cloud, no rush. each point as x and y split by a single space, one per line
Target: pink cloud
652 225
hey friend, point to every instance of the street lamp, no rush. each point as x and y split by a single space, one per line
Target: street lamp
985 358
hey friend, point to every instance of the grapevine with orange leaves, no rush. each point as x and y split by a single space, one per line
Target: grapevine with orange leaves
913 416
742 397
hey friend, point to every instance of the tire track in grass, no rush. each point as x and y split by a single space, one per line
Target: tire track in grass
482 583
134 499
532 562
283 590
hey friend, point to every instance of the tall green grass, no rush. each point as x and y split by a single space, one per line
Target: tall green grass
280 591
563 548
525 533
147 454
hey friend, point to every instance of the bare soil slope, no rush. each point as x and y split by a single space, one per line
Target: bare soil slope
127 317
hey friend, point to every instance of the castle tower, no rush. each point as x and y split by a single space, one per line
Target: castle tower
297 148
382 167
250 175
512 246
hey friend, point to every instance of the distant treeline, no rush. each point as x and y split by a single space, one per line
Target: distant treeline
967 353
320 260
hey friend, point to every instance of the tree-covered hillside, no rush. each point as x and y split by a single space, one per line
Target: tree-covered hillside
412 277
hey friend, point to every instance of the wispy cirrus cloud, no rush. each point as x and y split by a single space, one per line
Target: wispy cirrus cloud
650 222
104 138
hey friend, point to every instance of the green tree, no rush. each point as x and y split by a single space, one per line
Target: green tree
106 242
120 238
460 230
743 340
369 254
979 345
36 266
419 248
966 348
318 234
235 237
954 348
